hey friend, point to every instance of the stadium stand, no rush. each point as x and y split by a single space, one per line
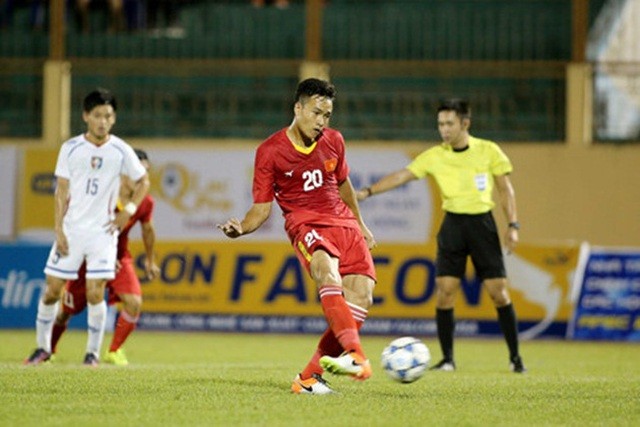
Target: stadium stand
161 102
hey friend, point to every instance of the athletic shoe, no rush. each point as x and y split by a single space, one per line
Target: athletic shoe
517 366
444 365
351 364
90 359
314 385
38 357
117 358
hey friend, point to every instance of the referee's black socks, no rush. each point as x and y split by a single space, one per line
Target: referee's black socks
446 326
509 326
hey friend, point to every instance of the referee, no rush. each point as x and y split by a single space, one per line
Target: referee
466 170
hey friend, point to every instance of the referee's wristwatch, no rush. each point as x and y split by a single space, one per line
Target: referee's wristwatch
515 225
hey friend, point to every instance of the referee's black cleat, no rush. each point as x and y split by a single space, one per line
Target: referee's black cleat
444 365
517 366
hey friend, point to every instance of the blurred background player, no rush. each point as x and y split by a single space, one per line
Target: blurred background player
116 15
125 288
466 170
165 13
304 168
88 173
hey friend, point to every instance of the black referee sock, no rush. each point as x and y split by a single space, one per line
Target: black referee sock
509 326
446 326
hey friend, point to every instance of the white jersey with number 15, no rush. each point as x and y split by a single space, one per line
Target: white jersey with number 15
94 179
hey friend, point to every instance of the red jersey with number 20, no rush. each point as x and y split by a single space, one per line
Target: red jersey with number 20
304 181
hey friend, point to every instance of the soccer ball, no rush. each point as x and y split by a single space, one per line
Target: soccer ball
405 359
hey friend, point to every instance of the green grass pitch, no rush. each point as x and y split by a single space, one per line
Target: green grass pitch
212 379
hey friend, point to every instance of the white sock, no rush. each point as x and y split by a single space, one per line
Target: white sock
44 324
359 314
96 321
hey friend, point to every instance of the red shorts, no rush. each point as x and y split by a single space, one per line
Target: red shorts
126 281
346 244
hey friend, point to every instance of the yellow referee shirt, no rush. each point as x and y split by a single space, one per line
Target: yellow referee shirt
465 177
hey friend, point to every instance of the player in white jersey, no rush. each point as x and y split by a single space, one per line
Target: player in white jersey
86 226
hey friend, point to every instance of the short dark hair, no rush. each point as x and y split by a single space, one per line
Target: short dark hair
459 105
142 155
97 97
312 87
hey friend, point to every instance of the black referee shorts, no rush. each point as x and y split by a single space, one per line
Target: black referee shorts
462 235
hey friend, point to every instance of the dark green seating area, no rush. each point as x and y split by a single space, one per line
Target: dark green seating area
223 107
426 30
450 30
505 109
405 108
21 105
369 107
253 107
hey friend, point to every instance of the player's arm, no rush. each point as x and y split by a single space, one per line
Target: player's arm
508 202
139 191
253 219
61 203
386 183
149 240
126 189
348 195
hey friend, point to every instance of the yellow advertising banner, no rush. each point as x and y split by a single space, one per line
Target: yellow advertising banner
265 279
36 192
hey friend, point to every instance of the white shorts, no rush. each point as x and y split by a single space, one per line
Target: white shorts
99 250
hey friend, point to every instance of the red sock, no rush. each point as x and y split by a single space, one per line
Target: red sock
339 318
58 330
125 325
328 346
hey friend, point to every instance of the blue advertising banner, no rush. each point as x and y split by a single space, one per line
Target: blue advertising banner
608 296
21 284
303 324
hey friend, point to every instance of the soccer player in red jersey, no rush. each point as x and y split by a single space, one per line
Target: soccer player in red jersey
303 167
125 288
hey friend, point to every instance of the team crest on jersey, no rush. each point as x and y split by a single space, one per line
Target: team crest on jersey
96 162
330 165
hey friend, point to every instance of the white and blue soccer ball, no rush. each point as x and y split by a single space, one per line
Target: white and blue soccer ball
405 359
